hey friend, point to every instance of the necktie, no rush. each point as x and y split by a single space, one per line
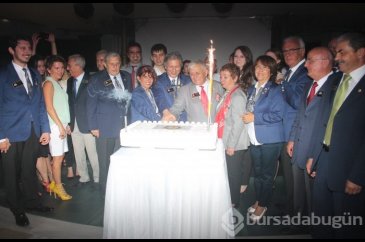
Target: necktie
287 75
117 84
133 76
204 99
339 99
152 100
75 87
173 82
29 84
312 92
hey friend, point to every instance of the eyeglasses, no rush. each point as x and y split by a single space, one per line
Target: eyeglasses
309 60
290 51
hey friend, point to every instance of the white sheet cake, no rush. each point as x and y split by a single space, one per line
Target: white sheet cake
172 135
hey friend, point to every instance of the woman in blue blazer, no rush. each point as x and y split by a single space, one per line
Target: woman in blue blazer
265 108
143 104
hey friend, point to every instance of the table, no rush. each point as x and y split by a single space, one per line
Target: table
166 193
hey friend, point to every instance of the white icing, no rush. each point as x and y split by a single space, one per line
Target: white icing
172 135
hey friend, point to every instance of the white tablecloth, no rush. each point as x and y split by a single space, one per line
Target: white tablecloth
165 193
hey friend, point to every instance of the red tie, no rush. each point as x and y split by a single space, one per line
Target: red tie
133 75
312 92
204 100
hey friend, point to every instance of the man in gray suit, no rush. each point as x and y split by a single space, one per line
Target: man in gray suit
194 97
319 64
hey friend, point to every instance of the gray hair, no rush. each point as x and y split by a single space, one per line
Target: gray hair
102 52
79 59
175 55
199 63
297 39
112 55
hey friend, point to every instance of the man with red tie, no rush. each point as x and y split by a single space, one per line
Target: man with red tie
194 97
319 64
134 54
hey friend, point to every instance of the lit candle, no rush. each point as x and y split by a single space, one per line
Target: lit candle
211 67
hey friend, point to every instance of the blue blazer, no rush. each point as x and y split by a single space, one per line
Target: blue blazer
141 107
347 146
105 110
308 143
269 111
292 92
165 93
78 104
17 110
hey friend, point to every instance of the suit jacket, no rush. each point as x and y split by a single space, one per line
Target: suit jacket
188 100
308 143
17 110
347 146
141 107
293 91
78 104
269 111
235 131
106 106
165 93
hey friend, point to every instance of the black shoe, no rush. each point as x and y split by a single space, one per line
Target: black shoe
80 184
21 219
41 208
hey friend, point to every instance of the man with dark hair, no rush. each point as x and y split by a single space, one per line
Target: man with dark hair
23 125
134 54
340 166
158 54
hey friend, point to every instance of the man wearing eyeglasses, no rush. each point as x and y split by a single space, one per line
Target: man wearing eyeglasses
303 141
293 88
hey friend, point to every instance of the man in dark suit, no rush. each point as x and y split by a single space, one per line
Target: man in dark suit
293 89
81 137
319 64
340 168
23 125
106 108
167 85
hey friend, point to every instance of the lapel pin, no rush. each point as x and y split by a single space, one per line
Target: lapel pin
359 91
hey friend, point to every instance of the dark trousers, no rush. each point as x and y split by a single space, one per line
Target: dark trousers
246 168
70 155
286 166
264 158
303 185
329 203
234 168
105 147
20 179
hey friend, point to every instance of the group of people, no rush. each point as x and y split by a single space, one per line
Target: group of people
282 108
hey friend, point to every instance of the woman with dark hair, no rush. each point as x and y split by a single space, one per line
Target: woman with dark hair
265 108
243 59
277 55
143 105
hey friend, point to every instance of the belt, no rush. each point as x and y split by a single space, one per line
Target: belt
325 147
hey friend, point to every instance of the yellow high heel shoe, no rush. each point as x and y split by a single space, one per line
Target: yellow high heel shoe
58 190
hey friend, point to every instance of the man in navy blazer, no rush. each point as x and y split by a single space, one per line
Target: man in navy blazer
340 168
293 89
23 126
319 64
165 90
108 96
81 137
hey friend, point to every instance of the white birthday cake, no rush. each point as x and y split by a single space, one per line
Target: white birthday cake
172 135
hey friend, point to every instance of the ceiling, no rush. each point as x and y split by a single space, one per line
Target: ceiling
61 17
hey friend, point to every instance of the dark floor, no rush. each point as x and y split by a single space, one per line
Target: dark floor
87 207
